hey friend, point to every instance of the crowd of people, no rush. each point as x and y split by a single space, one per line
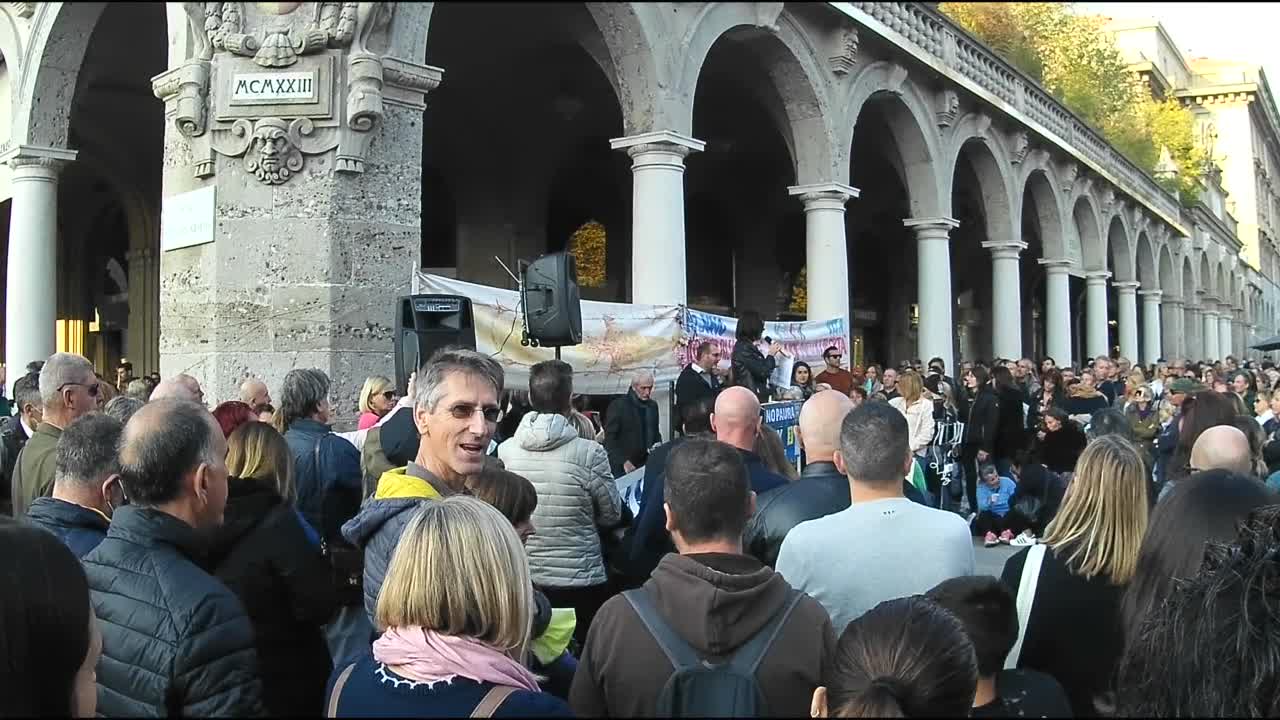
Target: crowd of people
468 551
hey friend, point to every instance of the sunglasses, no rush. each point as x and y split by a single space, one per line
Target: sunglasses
390 394
91 389
834 357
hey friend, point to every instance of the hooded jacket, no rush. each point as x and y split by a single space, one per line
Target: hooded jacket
381 521
264 556
78 527
716 603
576 494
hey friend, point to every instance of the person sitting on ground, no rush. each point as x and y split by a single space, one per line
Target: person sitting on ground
1210 650
86 485
1087 557
576 494
990 617
709 603
68 390
995 495
882 546
175 640
821 490
122 408
454 616
1061 442
1039 496
737 421
50 641
907 657
180 386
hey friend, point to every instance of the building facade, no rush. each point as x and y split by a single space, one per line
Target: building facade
246 187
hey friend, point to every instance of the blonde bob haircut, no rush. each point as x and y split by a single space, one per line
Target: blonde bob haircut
257 451
910 387
460 569
373 387
1100 527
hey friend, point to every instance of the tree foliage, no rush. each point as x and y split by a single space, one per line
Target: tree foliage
1077 62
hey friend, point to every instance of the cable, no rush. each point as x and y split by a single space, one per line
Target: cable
514 320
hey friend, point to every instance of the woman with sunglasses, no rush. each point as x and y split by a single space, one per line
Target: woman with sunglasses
377 398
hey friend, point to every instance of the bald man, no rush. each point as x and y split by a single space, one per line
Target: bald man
254 393
180 386
821 489
736 421
1221 447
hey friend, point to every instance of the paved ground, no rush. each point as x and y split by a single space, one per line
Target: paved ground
991 559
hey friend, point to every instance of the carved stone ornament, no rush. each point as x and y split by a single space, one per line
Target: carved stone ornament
272 148
767 14
1108 200
1069 175
846 52
23 9
948 107
1021 146
285 34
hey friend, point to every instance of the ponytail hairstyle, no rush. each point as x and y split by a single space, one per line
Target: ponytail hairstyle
908 657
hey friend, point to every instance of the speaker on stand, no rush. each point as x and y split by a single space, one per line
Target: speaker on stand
426 323
552 303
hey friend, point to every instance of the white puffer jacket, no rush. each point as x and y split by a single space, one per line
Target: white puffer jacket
920 422
576 493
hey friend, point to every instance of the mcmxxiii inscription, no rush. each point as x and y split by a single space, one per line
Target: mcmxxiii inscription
274 87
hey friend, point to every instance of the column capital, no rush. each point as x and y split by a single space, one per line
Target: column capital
666 141
1005 249
1127 286
1056 265
934 224
1152 295
824 193
1173 301
1097 277
49 158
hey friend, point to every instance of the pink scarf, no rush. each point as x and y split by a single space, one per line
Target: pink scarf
427 656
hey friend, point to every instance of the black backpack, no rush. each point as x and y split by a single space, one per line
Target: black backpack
699 688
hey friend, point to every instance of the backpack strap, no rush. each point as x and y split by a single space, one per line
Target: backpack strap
491 701
673 646
337 690
748 657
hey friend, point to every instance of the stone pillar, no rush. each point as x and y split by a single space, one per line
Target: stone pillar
1095 316
1127 301
1057 319
142 340
658 274
300 217
1193 325
1174 337
1226 345
32 284
1006 298
826 252
1151 350
1209 337
933 283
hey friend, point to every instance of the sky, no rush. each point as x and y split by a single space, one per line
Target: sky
1226 30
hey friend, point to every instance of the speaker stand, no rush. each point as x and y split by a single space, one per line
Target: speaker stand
557 352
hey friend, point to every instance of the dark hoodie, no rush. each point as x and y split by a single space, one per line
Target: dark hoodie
262 553
717 603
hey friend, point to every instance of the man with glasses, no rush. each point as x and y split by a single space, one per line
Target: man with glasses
68 390
834 376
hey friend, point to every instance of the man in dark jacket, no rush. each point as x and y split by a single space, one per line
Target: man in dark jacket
68 389
175 640
712 596
631 426
15 431
736 422
86 486
821 489
1177 392
700 379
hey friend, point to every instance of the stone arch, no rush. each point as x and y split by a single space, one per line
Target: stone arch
1206 279
1145 264
913 129
1224 282
799 99
990 160
1040 179
1121 249
11 43
1167 281
1092 243
51 67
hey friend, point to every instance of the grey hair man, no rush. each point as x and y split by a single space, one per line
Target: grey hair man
122 407
160 613
254 393
631 426
68 390
180 386
883 546
455 414
139 389
86 487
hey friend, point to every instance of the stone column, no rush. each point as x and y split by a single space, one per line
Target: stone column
31 294
1127 301
1226 345
658 274
1095 316
1006 298
1209 336
826 252
1175 342
933 283
1057 320
1151 350
142 339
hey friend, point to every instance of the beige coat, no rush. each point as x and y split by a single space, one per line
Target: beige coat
920 424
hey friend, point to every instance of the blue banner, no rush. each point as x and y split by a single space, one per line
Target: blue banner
784 418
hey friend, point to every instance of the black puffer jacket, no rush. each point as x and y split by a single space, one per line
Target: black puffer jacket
175 640
981 423
820 491
263 555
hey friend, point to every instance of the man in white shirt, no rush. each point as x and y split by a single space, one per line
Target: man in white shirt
883 546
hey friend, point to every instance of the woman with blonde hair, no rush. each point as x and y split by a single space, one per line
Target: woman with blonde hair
455 613
270 558
1077 576
377 398
918 410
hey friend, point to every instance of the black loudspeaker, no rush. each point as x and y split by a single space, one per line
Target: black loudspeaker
426 323
552 305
